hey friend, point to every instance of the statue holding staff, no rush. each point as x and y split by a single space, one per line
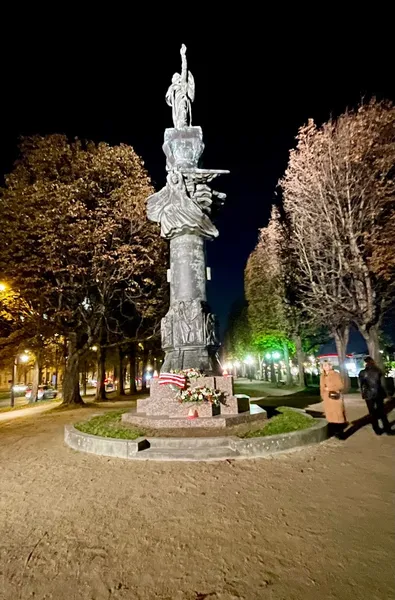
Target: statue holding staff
181 94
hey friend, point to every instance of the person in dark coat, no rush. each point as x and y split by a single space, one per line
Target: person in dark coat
373 392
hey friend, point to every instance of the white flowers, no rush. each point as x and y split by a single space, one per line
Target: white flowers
201 394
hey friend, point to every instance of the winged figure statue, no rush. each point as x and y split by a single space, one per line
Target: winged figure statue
181 94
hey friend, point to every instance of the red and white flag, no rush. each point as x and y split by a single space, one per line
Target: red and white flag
173 378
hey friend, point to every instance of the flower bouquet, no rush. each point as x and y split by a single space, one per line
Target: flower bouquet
189 373
201 394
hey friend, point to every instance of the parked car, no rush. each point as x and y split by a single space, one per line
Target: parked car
19 388
45 392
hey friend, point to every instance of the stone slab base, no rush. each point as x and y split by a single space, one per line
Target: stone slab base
166 422
173 408
194 448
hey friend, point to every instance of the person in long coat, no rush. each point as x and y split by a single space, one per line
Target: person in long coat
331 384
374 393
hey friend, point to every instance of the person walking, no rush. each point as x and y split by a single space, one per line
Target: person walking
331 387
373 392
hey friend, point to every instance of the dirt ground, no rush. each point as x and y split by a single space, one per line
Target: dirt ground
313 524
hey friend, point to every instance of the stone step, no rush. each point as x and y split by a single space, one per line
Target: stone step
187 454
188 443
165 422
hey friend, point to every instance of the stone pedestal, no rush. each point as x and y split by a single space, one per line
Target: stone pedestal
183 147
163 410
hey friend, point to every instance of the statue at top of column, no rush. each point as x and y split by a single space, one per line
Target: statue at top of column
181 94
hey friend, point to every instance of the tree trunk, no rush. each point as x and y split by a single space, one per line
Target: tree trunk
286 360
341 335
35 382
144 370
121 377
371 337
272 371
101 374
300 358
13 382
37 370
71 379
85 375
132 369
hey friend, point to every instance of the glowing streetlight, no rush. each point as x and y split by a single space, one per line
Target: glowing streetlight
249 360
3 286
94 348
276 355
24 358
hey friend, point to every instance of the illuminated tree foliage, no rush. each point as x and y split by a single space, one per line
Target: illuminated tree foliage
339 191
77 245
238 343
22 324
265 292
383 254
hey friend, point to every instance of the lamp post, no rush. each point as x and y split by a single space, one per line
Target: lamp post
249 361
236 367
271 357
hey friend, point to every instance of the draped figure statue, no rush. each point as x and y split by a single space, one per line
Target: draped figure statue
181 94
179 212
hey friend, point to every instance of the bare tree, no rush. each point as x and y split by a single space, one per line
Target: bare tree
337 185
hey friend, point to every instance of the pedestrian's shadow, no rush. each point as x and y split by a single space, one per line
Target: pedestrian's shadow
366 420
357 424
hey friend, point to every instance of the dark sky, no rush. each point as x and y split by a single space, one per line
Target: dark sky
257 81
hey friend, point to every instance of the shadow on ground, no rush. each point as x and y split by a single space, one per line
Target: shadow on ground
366 420
300 399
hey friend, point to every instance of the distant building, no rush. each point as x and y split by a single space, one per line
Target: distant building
354 364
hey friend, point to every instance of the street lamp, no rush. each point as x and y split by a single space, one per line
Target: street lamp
24 358
249 361
3 286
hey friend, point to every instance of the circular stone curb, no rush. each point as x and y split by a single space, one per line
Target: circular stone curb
198 448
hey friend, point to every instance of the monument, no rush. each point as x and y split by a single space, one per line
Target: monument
183 209
189 329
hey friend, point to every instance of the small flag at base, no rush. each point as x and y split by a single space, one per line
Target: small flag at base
173 379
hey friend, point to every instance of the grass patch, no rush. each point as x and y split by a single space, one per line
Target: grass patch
288 420
110 426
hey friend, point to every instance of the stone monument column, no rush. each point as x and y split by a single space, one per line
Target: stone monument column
183 208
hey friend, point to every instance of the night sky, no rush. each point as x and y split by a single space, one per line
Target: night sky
256 83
